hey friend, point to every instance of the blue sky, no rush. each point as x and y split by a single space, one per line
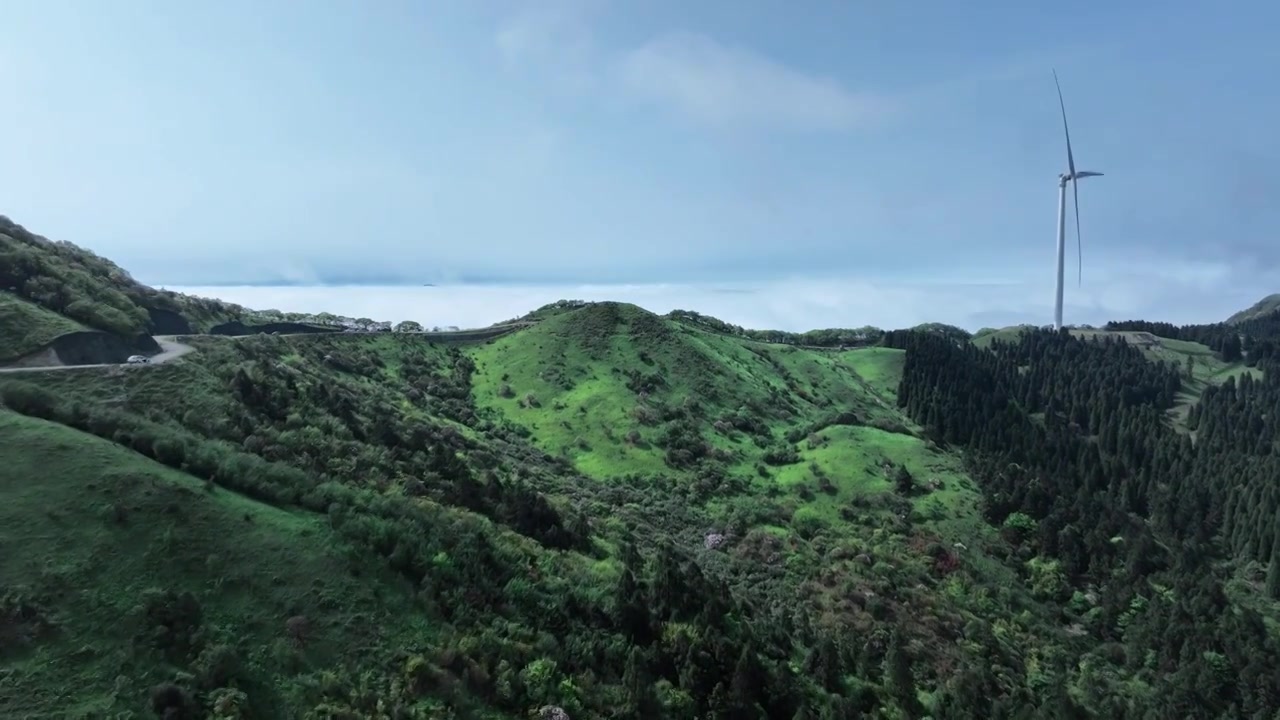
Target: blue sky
600 141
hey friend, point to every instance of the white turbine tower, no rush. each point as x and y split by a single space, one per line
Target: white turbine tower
1072 176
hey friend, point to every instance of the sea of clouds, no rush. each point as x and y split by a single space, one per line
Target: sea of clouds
788 304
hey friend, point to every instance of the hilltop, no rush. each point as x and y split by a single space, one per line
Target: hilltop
1264 307
74 282
619 514
608 384
59 291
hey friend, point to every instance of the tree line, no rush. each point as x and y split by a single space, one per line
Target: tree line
1070 442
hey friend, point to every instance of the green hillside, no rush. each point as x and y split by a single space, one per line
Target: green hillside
619 391
1206 367
624 515
614 388
859 507
94 292
26 326
1261 309
1201 367
124 579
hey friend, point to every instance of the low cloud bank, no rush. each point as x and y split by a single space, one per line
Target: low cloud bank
794 304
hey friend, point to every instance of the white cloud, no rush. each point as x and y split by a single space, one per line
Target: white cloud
688 72
553 37
793 304
717 84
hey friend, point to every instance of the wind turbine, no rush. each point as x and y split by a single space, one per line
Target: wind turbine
1072 176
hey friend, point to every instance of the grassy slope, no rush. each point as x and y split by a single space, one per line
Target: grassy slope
1008 334
575 365
26 326
568 384
584 408
842 527
1208 369
1263 307
881 368
92 290
87 527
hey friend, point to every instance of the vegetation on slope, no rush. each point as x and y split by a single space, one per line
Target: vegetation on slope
1141 523
624 515
1207 355
27 327
1254 336
619 390
1201 365
830 338
1263 308
695 591
91 290
128 585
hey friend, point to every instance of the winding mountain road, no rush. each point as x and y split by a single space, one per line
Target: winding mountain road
170 349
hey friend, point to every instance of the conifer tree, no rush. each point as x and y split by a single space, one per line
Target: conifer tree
1273 570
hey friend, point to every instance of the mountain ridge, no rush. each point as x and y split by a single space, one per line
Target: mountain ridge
612 513
1263 307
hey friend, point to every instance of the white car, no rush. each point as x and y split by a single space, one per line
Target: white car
138 359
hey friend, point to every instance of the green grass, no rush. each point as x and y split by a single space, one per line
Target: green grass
1265 306
88 528
880 367
566 382
1207 368
1009 334
577 364
26 327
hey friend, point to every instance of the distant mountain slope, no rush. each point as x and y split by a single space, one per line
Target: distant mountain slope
95 292
26 327
1265 306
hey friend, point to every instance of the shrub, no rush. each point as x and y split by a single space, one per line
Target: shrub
28 399
807 522
171 701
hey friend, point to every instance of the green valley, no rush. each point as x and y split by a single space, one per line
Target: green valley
615 514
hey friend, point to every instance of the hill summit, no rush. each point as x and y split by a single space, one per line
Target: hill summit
1266 306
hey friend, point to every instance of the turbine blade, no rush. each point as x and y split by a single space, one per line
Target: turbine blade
1071 161
1075 188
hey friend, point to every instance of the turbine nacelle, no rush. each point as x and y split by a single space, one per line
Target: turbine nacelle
1064 177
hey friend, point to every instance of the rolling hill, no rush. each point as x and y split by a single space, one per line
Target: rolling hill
122 576
26 327
830 499
95 292
609 513
1263 308
51 290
